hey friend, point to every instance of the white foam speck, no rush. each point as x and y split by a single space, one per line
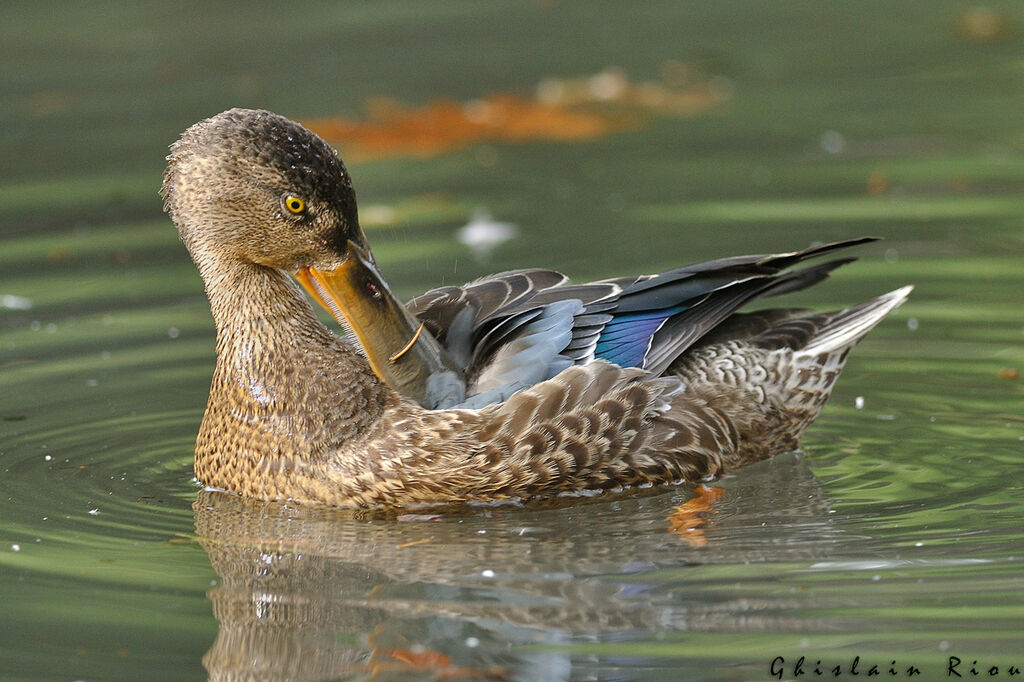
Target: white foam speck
12 302
833 142
482 234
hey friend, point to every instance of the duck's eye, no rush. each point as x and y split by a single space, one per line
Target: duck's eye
294 204
372 289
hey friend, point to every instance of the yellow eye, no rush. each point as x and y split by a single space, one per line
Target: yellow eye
294 204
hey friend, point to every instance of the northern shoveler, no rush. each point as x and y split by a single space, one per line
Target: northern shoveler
518 385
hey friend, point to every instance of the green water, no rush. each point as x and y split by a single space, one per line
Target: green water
895 535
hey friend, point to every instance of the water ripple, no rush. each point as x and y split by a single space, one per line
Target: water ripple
127 477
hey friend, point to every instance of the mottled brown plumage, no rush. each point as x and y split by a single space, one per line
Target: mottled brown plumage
296 412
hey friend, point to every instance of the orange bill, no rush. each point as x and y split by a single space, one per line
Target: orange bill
401 351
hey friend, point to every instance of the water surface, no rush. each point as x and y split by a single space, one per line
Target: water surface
894 535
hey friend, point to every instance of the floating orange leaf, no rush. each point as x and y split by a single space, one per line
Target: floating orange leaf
685 520
983 25
437 665
443 125
564 110
421 659
877 183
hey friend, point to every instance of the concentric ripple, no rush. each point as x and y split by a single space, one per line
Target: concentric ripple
100 483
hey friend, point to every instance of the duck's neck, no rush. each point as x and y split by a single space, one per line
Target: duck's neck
286 390
261 307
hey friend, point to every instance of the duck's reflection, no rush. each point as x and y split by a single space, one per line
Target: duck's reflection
308 593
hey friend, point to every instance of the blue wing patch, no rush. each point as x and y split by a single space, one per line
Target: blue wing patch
624 340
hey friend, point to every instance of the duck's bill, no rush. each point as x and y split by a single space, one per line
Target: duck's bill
402 353
356 295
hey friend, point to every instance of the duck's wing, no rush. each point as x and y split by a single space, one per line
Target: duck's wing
438 307
655 319
510 330
513 329
494 331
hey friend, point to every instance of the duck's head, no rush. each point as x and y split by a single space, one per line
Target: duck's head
254 187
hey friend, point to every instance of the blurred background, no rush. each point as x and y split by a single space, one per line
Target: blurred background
596 138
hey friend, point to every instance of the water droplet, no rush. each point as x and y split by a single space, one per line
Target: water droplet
858 402
912 324
173 332
472 642
487 573
15 548
94 511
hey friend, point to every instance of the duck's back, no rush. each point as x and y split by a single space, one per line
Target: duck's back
734 398
512 330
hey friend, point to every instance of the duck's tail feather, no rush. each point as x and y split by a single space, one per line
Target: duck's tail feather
845 328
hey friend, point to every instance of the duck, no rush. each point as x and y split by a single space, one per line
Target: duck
517 386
